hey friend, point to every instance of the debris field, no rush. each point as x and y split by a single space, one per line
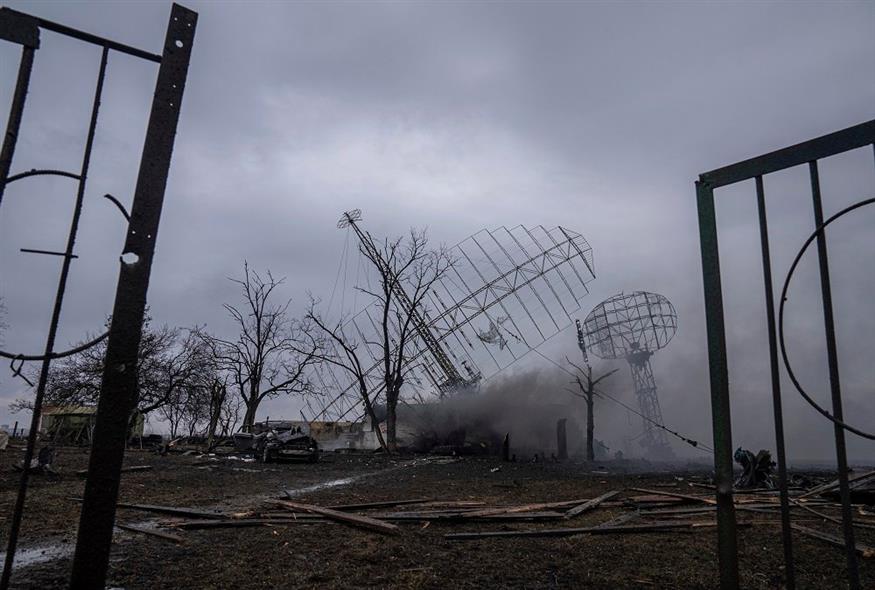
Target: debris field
369 520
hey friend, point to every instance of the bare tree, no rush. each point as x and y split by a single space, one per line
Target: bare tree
586 384
266 359
407 269
344 351
170 362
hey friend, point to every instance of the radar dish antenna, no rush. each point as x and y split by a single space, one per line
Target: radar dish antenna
633 327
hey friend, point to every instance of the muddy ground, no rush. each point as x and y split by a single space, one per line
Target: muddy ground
327 555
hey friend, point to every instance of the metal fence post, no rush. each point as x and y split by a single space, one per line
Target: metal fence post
727 542
118 388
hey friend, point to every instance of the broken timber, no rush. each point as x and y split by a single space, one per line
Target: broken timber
710 501
862 550
151 532
612 530
365 522
590 504
523 508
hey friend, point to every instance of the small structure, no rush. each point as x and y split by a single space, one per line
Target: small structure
74 425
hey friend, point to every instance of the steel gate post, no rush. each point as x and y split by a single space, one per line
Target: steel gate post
727 542
118 388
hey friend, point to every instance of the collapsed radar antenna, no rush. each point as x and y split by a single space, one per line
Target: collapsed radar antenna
633 327
521 281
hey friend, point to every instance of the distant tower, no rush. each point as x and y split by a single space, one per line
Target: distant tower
633 327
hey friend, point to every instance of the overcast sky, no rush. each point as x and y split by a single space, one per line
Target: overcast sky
458 116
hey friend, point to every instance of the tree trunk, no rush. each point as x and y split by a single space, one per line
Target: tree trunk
590 427
249 417
218 393
369 408
391 421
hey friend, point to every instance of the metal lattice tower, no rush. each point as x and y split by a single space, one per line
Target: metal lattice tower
633 327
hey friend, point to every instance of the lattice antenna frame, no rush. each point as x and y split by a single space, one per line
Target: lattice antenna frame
630 323
632 327
511 290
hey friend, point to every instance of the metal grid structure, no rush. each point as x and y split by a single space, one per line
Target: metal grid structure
632 327
510 290
807 153
118 390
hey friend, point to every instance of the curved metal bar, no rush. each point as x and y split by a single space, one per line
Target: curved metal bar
35 172
54 355
784 354
118 204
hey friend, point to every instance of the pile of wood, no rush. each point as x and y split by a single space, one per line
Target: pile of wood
652 510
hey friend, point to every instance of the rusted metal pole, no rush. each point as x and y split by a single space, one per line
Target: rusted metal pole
727 540
834 383
18 29
118 387
786 532
36 414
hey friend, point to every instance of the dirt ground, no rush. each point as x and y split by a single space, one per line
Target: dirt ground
329 555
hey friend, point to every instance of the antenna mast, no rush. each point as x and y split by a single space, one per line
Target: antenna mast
452 379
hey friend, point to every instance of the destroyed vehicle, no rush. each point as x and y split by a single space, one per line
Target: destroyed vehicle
285 445
278 440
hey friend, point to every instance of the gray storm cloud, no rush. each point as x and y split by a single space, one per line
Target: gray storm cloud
594 116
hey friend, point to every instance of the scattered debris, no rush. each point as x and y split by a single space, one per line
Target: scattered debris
345 517
590 504
151 532
757 469
862 550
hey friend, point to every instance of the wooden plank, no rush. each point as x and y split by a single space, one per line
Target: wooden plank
386 504
710 501
248 522
859 478
830 518
365 522
590 504
523 508
862 550
421 517
151 532
614 530
172 510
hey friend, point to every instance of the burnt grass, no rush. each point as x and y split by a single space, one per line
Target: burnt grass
329 555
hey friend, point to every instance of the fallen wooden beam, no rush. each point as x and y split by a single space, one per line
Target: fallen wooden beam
365 522
862 550
835 483
151 532
450 517
590 504
172 510
523 508
386 504
613 530
830 518
247 522
710 501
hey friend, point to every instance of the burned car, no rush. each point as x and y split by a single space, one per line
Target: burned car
279 441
